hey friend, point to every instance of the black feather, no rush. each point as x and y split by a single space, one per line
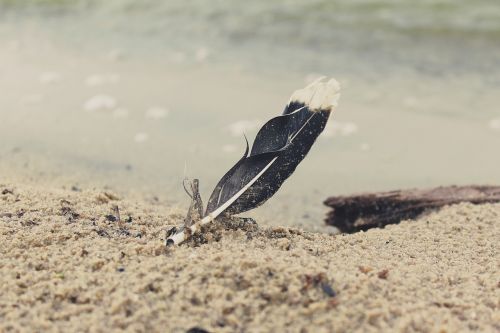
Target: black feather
288 137
280 145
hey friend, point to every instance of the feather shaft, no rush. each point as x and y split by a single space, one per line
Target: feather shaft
182 236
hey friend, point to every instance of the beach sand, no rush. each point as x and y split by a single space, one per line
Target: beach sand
67 265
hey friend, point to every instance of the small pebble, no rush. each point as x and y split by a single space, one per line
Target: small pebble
327 289
383 274
111 218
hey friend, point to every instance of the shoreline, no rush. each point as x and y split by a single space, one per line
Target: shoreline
69 266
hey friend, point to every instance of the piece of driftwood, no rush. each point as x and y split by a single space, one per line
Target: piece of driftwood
371 210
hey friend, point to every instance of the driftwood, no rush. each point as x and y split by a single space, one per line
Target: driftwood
370 210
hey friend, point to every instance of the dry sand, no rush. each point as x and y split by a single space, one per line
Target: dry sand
66 266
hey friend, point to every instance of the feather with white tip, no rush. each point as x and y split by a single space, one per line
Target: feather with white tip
280 145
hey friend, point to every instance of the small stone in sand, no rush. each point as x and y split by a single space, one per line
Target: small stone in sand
383 274
99 102
328 290
197 330
111 218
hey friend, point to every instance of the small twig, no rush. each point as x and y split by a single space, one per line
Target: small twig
185 189
116 211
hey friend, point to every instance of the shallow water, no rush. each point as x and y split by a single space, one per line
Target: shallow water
127 95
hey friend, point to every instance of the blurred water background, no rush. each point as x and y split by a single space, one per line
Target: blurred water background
128 93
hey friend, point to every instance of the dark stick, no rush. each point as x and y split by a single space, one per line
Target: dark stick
371 210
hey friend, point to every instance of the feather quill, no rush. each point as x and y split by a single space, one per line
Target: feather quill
280 145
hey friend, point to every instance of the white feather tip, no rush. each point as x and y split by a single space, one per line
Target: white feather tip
319 95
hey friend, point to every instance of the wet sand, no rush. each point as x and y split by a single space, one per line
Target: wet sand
67 264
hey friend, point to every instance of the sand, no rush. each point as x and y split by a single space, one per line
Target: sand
67 265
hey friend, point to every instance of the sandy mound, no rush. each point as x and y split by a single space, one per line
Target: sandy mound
67 264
